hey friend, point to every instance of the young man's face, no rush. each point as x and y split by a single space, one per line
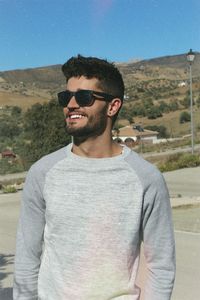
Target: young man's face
86 121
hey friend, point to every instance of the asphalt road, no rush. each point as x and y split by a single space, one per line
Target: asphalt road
188 267
183 182
187 243
9 213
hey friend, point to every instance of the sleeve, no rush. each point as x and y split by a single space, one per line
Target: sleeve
29 240
158 239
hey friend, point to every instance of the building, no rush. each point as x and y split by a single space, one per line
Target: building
134 134
8 154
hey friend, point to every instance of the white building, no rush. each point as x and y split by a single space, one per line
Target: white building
136 133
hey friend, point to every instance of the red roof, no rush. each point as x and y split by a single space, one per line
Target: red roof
8 153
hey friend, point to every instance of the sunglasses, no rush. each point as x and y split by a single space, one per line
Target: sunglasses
83 97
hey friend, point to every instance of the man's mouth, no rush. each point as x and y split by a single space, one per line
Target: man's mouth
75 116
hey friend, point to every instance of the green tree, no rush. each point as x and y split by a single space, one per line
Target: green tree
164 107
186 102
44 130
138 110
9 128
173 106
184 117
125 113
161 129
147 103
154 112
16 111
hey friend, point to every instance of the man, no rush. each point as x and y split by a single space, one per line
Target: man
87 207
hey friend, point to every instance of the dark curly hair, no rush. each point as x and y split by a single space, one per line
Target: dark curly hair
110 79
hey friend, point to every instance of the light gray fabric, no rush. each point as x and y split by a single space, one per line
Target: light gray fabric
81 224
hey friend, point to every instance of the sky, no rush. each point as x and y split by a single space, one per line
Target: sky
36 33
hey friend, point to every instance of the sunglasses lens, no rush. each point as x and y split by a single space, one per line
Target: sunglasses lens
84 98
64 98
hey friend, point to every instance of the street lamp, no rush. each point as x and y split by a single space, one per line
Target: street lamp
190 59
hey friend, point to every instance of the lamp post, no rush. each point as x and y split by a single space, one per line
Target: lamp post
190 59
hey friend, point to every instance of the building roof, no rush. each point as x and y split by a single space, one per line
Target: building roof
134 131
7 153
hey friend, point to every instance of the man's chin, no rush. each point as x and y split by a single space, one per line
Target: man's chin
79 135
76 132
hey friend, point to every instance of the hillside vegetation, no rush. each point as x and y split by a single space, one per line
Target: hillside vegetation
157 91
156 97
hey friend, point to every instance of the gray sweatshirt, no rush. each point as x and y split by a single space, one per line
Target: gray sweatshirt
81 225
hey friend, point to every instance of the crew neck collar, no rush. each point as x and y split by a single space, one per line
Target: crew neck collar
125 152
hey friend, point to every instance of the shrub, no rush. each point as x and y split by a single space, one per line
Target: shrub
160 128
184 117
154 112
10 166
9 189
179 161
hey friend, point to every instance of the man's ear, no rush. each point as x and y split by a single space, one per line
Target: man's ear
114 106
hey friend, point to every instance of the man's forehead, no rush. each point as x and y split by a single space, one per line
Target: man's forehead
82 82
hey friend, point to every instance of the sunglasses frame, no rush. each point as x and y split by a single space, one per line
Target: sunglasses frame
64 97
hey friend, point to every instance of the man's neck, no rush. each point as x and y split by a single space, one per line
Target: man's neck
97 148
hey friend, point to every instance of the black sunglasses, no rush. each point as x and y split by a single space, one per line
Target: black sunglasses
83 97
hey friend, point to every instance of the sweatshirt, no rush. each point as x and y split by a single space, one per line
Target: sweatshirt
81 226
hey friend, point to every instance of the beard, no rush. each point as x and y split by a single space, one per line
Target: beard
96 125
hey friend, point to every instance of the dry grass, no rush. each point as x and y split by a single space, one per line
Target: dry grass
23 101
171 122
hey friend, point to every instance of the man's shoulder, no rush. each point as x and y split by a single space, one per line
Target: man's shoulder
145 170
44 164
136 160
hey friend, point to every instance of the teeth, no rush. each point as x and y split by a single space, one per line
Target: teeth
76 116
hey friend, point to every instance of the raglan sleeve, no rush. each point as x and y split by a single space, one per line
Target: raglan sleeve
29 240
158 239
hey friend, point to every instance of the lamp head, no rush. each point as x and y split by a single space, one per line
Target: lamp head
190 56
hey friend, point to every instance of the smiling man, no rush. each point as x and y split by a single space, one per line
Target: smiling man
87 208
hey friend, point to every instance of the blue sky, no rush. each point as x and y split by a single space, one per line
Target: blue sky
37 33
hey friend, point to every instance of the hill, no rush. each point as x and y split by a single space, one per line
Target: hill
172 67
159 82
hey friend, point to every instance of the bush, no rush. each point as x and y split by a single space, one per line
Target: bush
180 161
186 102
164 107
9 189
45 132
161 129
184 117
154 112
10 166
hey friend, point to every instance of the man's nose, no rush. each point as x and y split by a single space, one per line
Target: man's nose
72 103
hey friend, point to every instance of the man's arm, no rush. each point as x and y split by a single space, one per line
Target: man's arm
159 244
29 239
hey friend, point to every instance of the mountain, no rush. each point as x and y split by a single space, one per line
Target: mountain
39 84
43 77
157 83
175 66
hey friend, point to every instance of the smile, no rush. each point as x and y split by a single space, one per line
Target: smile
76 116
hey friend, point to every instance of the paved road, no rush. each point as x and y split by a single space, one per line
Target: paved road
188 267
187 244
9 212
184 182
172 151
